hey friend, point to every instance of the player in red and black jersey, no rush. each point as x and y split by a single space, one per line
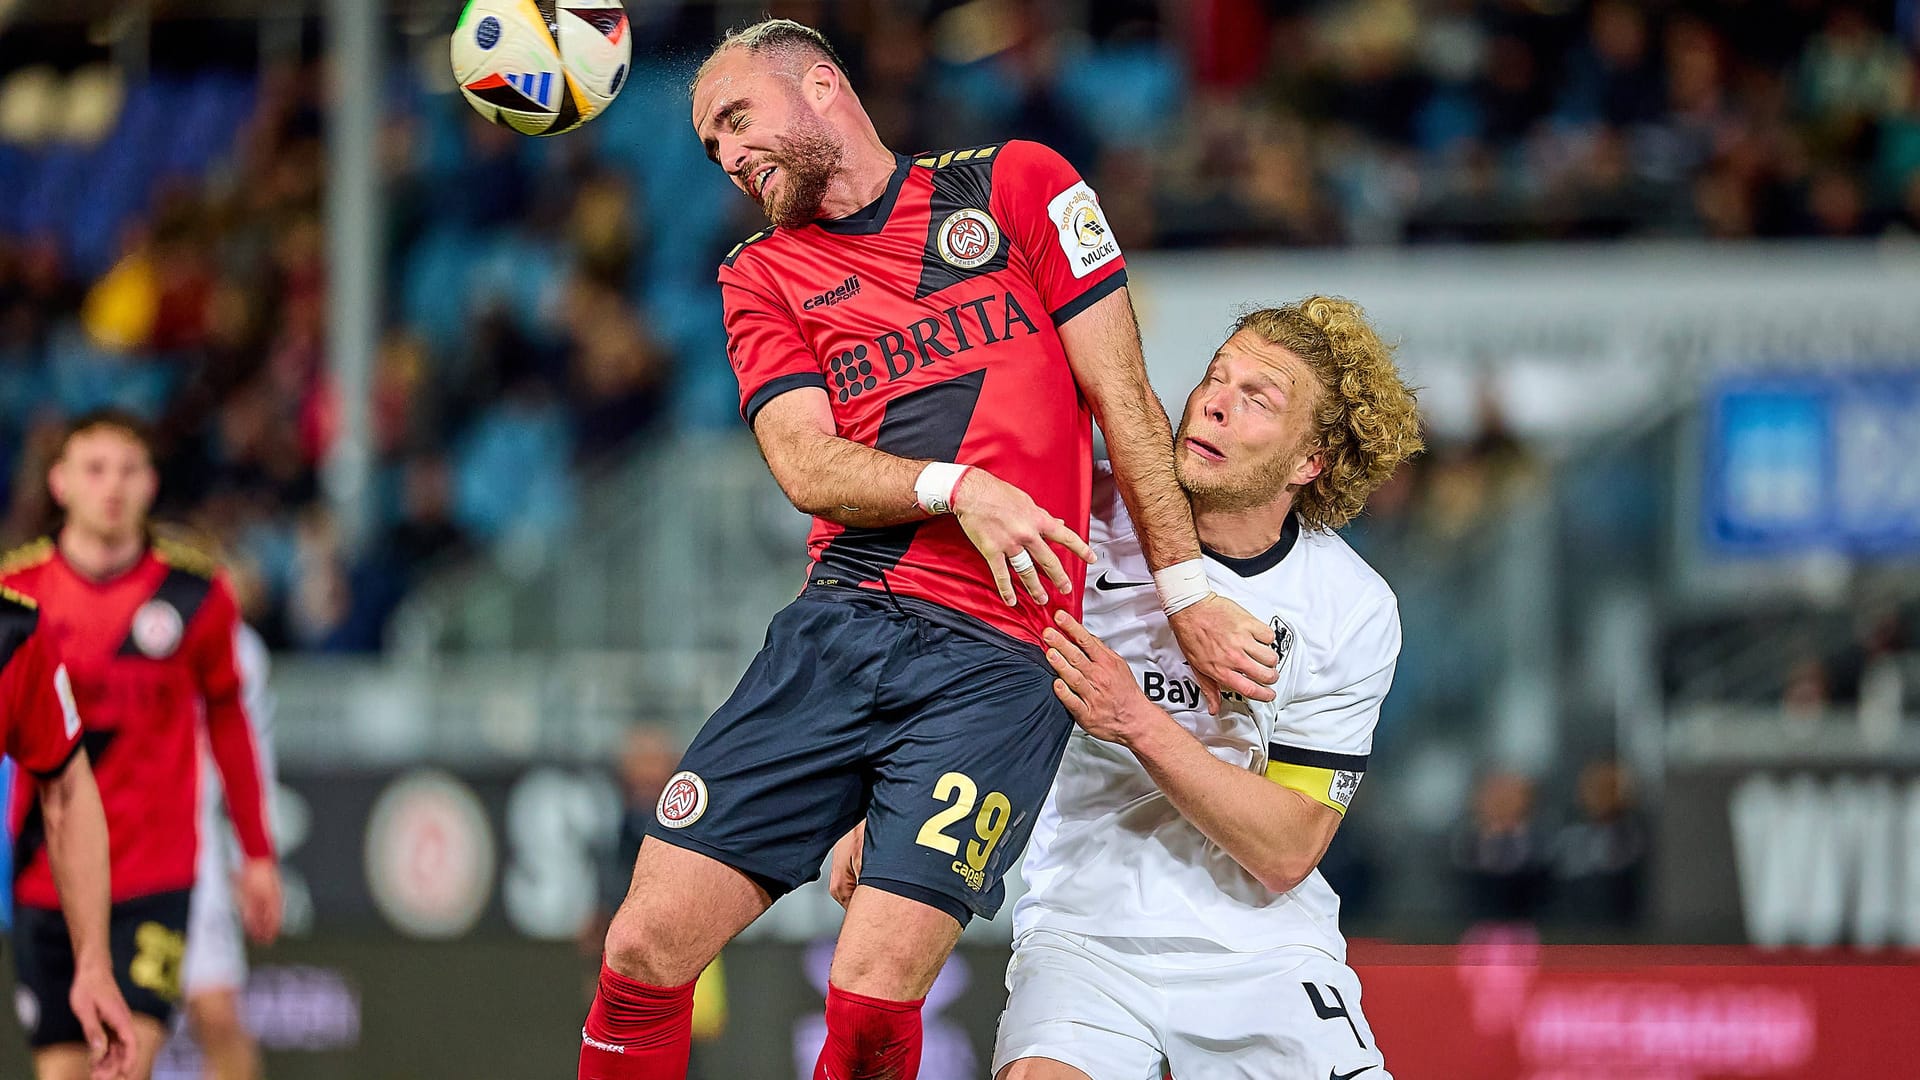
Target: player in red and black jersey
922 345
40 731
146 629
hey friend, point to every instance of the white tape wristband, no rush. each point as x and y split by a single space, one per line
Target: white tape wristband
933 489
1182 585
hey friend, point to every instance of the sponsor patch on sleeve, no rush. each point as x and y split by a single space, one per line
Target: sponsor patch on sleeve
1084 236
1344 785
69 711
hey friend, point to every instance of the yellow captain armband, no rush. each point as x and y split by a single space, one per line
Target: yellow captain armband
1327 778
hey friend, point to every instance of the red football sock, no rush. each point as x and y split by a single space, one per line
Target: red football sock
869 1039
637 1032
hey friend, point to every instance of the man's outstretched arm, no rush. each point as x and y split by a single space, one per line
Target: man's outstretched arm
1227 647
1276 833
855 485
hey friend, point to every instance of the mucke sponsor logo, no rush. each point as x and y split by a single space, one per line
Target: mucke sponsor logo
962 328
843 291
1099 254
1084 236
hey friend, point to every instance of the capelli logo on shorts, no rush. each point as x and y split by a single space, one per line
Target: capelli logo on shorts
682 801
975 879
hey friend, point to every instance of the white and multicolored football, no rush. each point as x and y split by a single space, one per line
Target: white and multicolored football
542 67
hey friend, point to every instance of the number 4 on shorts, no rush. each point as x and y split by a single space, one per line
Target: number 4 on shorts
1338 1010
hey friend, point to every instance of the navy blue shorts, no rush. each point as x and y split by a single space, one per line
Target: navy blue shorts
147 936
943 737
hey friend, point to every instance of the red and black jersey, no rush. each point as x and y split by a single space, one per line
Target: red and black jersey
39 726
150 654
931 320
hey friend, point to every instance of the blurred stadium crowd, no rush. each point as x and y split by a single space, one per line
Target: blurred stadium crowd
161 245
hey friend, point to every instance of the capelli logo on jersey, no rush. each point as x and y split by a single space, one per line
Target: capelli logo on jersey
984 320
843 291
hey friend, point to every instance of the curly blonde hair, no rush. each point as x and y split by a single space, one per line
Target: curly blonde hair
1365 419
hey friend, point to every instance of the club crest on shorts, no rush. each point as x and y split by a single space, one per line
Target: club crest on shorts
157 628
967 238
682 801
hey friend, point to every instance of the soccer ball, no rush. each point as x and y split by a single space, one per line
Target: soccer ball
541 67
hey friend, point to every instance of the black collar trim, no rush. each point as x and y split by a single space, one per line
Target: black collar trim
1266 560
873 217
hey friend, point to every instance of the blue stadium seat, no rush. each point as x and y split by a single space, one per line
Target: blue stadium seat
1128 94
511 472
433 284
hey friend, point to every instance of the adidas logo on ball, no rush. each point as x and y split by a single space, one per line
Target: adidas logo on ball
539 69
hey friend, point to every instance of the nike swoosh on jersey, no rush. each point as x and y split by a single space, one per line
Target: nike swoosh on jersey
1331 1075
1104 584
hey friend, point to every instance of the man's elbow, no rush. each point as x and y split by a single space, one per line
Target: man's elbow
1282 870
798 478
55 800
806 497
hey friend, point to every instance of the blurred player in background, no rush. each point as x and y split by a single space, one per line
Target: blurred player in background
1175 918
214 974
40 733
921 345
147 630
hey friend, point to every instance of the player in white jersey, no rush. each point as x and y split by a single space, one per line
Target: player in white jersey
214 970
1175 919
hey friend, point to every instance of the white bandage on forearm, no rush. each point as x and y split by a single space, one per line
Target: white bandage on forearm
1182 585
934 487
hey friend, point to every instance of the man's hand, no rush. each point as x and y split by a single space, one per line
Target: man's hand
1095 684
258 890
845 871
1003 521
104 1019
1228 649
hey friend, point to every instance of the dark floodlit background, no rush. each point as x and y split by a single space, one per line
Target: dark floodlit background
1645 799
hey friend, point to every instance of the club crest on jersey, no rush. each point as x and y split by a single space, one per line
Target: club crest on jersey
967 238
1282 641
683 800
157 629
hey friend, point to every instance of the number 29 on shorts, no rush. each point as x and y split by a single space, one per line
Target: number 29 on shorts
961 795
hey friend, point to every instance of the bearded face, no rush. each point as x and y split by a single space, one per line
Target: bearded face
757 125
808 157
1251 476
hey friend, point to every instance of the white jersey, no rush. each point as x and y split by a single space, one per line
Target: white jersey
1110 855
216 956
219 850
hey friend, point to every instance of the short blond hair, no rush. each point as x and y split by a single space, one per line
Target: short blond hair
1365 418
792 41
